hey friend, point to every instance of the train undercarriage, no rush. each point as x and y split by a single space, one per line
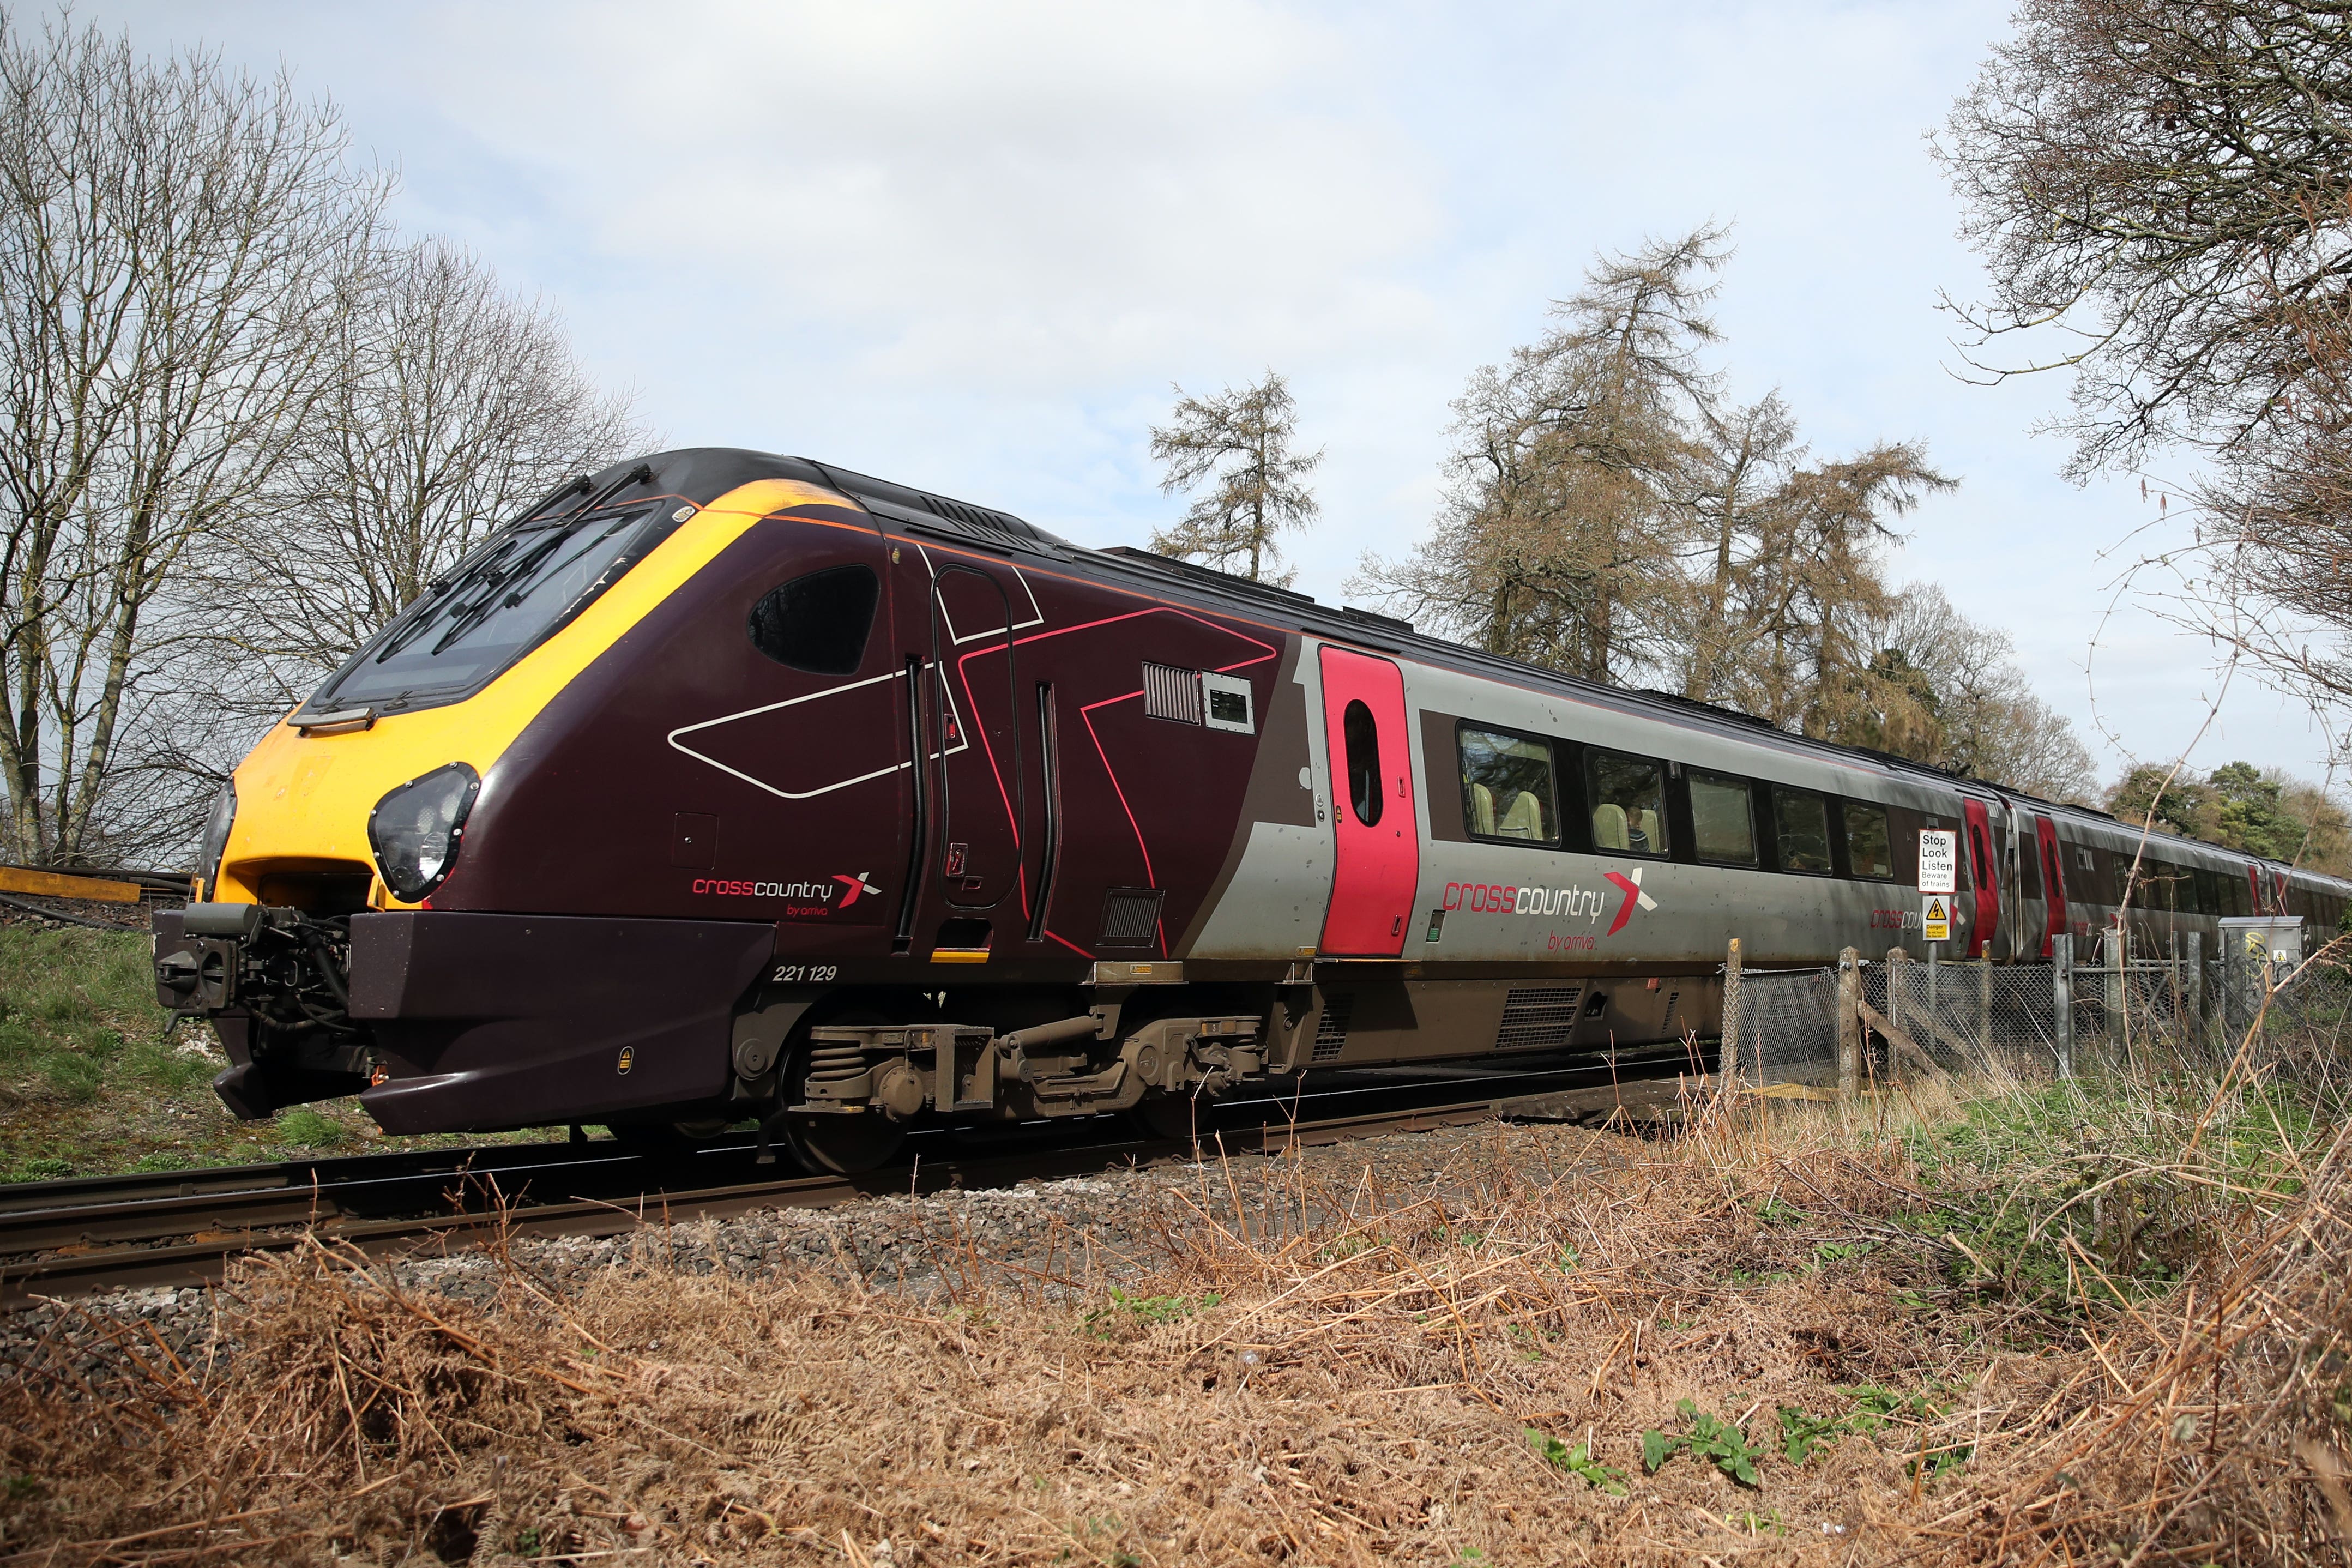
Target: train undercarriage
668 1029
428 1036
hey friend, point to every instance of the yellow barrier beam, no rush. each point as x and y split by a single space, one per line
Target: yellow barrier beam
58 885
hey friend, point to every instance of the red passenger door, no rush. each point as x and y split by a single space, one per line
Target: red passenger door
1985 872
1377 842
2054 883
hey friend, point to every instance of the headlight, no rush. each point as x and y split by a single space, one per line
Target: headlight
416 828
208 858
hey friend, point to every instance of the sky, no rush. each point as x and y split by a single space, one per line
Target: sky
971 248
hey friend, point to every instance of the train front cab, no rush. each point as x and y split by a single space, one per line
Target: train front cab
463 880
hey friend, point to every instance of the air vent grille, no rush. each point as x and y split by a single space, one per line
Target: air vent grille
1331 1028
1131 916
1172 693
1537 1017
981 521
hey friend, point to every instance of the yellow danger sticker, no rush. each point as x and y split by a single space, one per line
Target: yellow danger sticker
1936 919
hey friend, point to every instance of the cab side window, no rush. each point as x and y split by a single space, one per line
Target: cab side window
819 622
1629 805
1506 786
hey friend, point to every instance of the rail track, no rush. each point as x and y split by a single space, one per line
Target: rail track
88 1235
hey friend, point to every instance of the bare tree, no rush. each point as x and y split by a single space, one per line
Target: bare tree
175 241
453 406
1238 443
1983 719
2165 183
2167 187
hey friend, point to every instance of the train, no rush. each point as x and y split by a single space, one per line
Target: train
723 786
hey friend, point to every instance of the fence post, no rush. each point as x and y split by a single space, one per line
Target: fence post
2197 986
1898 976
1934 1001
1727 1056
1984 1004
2062 1000
2112 960
1849 1024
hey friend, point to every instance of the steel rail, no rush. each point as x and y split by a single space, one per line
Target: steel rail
38 1216
204 1260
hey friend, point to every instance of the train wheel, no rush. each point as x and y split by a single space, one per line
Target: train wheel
1177 1116
844 1146
836 1145
668 1137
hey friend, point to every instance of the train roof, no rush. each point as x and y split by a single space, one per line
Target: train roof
714 469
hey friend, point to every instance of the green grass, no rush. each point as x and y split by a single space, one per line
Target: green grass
96 1078
78 1016
2105 1189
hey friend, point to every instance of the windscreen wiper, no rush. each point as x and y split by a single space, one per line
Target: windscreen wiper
510 589
643 471
421 614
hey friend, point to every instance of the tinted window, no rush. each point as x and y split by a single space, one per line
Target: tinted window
505 599
818 623
1869 847
1804 819
1723 821
1629 805
2054 872
1506 787
1363 738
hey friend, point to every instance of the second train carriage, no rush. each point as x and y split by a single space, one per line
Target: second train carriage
726 785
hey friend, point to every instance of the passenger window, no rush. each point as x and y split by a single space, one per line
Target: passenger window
818 623
1804 819
1506 786
1363 738
1629 805
1723 819
1870 847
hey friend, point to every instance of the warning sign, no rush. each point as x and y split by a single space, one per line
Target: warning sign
1939 861
1936 917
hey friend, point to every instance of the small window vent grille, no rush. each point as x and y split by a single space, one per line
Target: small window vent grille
1331 1029
1172 693
1537 1017
1131 916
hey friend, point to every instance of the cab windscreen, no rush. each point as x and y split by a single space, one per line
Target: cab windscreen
414 830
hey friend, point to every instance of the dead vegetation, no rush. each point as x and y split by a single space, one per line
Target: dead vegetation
1780 1341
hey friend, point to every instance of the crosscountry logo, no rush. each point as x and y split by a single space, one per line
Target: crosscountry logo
854 886
1632 887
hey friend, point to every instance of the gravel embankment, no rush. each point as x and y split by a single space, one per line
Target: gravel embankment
1063 1237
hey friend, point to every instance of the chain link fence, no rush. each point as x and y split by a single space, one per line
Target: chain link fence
1994 1021
2009 1024
1785 1029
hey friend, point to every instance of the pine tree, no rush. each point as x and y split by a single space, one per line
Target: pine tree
1237 444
